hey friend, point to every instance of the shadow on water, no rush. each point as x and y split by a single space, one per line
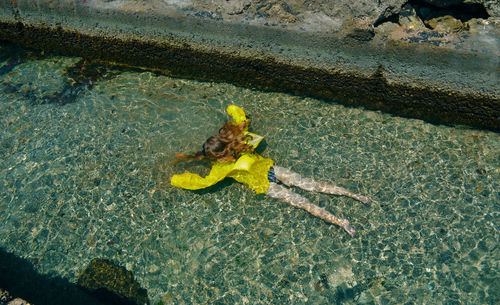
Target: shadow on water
216 187
79 77
14 55
20 278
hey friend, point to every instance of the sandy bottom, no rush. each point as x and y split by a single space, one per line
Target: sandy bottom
86 152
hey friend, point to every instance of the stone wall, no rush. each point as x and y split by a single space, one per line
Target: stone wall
433 59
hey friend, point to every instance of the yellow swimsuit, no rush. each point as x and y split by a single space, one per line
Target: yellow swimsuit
250 169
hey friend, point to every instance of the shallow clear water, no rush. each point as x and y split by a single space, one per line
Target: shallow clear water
85 156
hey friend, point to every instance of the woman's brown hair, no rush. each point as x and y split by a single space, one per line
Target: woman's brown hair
227 146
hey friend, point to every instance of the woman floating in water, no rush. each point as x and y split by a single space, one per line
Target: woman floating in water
232 153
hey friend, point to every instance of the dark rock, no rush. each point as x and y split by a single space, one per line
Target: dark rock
357 30
236 7
490 6
4 296
447 24
112 283
409 19
443 3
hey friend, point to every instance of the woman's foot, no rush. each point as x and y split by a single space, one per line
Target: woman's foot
347 227
363 199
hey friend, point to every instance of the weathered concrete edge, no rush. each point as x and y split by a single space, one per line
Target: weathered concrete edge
266 73
467 66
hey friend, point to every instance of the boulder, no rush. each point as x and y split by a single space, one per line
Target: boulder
112 283
447 24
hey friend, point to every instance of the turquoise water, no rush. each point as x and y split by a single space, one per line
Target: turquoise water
86 152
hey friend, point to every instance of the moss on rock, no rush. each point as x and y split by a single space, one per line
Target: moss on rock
112 283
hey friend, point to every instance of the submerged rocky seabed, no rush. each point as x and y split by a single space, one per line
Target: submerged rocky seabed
86 152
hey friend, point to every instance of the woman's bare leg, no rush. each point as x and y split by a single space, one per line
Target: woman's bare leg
296 200
289 177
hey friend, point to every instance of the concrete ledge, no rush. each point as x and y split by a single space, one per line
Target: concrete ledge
454 81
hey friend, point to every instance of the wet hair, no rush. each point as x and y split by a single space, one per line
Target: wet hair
213 146
227 146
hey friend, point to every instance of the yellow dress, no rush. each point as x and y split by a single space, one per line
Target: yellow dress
250 169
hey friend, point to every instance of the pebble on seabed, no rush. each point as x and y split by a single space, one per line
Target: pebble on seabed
6 299
18 301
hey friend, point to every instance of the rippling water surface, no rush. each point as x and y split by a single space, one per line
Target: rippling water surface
86 152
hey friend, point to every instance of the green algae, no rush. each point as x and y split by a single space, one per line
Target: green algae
111 282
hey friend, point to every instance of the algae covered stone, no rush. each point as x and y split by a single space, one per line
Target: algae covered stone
111 282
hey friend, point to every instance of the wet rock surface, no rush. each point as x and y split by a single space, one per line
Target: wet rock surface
446 46
112 283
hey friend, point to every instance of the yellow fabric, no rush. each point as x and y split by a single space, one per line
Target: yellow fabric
237 114
250 169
